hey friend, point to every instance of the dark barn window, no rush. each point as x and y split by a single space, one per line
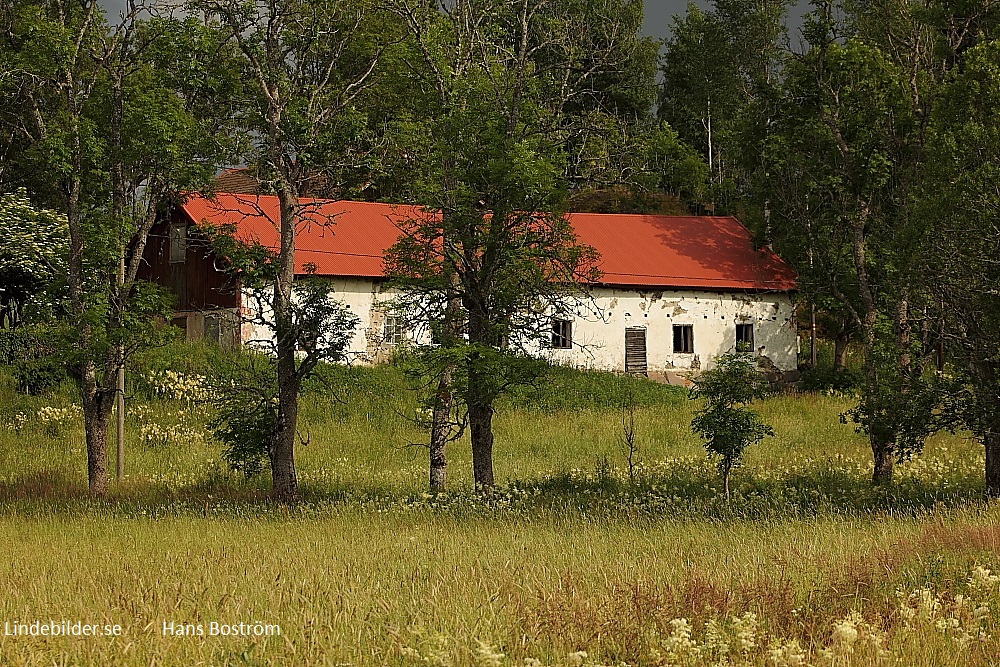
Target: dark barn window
684 338
562 334
744 336
178 243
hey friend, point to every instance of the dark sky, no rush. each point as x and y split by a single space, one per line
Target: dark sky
659 13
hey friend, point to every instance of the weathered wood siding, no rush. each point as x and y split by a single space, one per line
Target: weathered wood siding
196 283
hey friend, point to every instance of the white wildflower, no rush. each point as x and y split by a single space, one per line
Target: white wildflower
487 656
845 633
789 654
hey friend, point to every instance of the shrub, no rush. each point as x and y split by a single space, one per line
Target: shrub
16 344
725 423
244 394
41 375
830 379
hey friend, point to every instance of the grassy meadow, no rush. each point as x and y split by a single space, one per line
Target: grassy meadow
573 561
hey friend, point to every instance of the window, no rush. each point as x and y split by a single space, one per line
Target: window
684 338
394 332
744 336
178 243
562 334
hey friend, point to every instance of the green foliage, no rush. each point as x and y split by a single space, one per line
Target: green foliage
830 378
960 202
902 408
245 399
35 354
720 69
33 255
40 375
17 344
726 425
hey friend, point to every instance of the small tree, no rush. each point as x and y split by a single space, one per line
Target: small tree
726 425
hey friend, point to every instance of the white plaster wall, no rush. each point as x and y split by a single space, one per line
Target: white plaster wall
599 331
599 326
360 295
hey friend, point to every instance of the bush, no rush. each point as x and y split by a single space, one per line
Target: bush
828 378
16 344
41 375
35 364
245 397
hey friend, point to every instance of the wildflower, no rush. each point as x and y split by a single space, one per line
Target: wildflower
745 628
577 658
845 633
487 656
982 580
716 643
789 654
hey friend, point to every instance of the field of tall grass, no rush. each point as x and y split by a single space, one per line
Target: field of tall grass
573 561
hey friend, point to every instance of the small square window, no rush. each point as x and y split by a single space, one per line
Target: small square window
394 331
562 334
744 336
684 338
178 243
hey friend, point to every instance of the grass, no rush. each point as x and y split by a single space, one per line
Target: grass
570 556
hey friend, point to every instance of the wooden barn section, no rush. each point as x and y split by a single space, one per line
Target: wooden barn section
206 299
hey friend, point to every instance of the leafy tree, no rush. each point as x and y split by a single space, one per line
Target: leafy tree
962 204
101 130
305 63
719 70
245 392
725 423
847 157
494 256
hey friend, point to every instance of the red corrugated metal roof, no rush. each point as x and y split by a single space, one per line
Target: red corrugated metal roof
680 251
636 250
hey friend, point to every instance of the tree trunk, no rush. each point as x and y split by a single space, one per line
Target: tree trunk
985 374
840 353
441 431
992 444
481 427
284 483
444 396
840 342
282 450
96 418
882 447
883 461
479 399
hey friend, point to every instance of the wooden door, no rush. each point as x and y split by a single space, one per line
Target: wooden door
635 350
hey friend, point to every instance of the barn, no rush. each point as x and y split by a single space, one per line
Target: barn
675 291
